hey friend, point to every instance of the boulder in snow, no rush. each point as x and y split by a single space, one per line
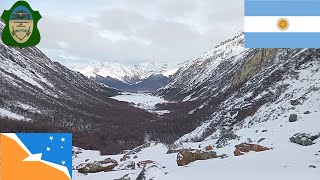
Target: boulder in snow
245 148
98 166
209 148
185 157
304 139
293 118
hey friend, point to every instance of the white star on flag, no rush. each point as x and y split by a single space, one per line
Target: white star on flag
63 162
48 149
63 139
51 138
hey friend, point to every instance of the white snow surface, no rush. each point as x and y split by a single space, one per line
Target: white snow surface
9 114
143 101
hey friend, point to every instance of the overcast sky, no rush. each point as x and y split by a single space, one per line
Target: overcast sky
131 31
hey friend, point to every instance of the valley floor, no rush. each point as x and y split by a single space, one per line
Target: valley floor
143 100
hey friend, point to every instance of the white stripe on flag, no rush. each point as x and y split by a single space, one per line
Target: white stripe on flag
269 23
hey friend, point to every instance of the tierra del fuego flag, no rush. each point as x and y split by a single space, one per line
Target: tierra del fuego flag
282 23
35 156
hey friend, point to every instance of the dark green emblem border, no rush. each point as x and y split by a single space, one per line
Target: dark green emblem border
33 40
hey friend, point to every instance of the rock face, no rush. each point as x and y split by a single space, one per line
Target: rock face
304 139
185 157
245 148
209 148
98 166
142 164
253 65
125 157
293 118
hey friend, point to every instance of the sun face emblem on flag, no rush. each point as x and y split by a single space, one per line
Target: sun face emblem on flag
36 156
283 24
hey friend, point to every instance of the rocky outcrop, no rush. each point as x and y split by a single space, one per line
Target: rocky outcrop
97 166
252 66
125 177
142 164
186 157
223 140
293 118
128 165
209 148
304 139
125 157
245 148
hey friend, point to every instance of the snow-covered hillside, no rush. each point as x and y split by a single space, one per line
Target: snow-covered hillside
126 73
254 115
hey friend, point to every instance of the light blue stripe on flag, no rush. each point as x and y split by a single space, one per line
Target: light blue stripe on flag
282 40
282 8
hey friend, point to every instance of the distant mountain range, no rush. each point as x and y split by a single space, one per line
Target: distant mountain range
146 76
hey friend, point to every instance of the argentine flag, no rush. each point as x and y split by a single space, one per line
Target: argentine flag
282 23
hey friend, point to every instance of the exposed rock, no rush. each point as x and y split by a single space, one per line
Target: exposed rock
141 175
125 157
135 157
129 165
253 65
249 140
223 140
312 166
245 147
261 139
186 157
304 139
264 131
223 156
295 102
98 166
307 112
171 151
125 177
142 164
293 118
209 148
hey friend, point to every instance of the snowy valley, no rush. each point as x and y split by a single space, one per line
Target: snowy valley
262 121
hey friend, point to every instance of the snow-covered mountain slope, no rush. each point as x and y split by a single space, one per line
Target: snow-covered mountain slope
37 94
288 104
110 69
147 69
126 73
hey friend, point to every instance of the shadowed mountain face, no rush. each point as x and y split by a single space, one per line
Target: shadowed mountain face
46 96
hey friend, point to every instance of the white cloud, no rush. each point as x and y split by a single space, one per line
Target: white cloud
131 31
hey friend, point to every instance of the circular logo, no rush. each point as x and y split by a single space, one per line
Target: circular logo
283 24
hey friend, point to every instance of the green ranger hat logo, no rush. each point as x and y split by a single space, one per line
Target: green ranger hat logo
21 26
